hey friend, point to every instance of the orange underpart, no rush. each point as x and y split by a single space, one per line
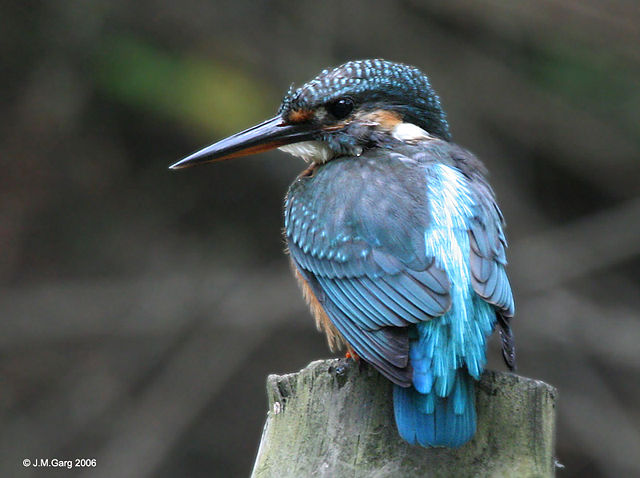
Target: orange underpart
334 338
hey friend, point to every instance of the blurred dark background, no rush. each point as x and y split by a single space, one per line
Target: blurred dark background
141 309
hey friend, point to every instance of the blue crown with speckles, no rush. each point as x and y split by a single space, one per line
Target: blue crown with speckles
379 83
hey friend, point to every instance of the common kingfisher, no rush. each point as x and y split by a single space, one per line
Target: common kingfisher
394 235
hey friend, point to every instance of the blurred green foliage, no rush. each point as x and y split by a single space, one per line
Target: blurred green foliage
206 95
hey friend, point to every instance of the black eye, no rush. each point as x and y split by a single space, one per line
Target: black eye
341 108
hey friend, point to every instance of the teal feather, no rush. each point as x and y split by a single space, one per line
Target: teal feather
412 279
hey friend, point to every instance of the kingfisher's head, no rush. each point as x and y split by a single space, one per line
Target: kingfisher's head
342 111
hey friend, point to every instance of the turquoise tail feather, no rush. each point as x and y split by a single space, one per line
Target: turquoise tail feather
430 420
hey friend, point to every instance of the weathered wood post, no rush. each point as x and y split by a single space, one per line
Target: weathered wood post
335 419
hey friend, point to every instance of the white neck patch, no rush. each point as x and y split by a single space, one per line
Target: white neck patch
409 133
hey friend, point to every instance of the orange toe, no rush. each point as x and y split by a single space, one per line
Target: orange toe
351 355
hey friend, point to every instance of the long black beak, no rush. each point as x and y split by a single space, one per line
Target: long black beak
271 134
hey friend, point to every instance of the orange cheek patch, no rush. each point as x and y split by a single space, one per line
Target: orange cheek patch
385 118
300 116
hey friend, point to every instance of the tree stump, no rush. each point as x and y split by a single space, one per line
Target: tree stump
335 419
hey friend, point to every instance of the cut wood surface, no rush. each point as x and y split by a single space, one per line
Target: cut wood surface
335 418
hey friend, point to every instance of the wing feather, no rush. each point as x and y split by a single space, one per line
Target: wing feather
365 259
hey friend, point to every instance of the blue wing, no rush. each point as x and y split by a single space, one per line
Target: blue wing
363 254
372 308
356 233
488 261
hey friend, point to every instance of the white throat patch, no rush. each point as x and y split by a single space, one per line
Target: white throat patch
310 151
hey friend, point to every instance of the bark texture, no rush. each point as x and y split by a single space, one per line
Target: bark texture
335 418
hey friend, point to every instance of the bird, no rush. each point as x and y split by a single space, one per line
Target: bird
394 235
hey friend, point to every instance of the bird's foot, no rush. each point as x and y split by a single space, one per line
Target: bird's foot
352 355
